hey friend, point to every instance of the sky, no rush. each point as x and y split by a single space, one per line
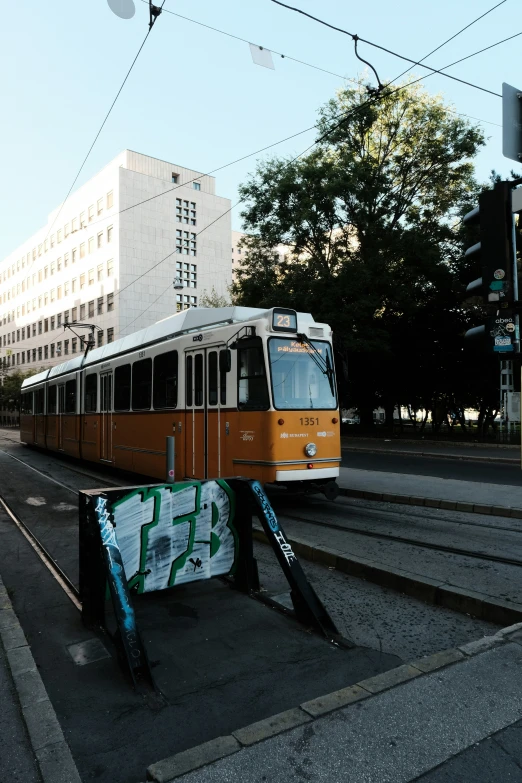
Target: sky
195 97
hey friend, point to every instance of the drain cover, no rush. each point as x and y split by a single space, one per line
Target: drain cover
88 651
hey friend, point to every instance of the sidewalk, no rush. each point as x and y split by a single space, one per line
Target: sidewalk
454 716
473 452
451 494
32 745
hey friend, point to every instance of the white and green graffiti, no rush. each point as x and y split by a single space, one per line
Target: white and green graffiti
176 533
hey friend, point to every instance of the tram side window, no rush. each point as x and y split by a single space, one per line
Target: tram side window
252 387
198 379
165 394
141 385
27 402
212 378
70 396
223 387
122 387
188 373
39 400
51 399
91 393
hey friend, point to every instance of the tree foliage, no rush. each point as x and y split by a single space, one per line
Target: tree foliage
10 390
372 220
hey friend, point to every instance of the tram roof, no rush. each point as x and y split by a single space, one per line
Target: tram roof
190 320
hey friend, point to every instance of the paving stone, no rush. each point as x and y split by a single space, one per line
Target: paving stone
390 678
271 726
30 688
173 767
21 660
8 619
42 724
13 637
57 764
480 645
464 506
332 701
436 661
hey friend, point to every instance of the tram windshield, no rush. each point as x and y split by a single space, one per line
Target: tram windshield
300 380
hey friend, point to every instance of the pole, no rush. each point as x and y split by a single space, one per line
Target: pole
171 456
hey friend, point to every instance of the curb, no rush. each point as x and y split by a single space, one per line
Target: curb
441 443
50 748
433 455
446 505
201 755
480 605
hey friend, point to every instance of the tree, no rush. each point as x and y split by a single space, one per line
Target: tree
213 299
10 391
371 218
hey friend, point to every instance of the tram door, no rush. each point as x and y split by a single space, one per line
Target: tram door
106 416
204 395
61 411
196 418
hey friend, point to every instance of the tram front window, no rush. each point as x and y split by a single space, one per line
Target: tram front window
300 381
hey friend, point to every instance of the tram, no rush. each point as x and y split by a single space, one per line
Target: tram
245 391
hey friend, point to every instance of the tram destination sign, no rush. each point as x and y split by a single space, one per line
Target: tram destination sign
284 320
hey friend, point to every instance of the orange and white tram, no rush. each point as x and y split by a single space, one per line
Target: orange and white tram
244 391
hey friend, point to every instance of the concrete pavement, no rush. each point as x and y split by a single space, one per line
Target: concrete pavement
453 716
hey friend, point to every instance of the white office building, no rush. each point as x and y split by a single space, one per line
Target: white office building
140 240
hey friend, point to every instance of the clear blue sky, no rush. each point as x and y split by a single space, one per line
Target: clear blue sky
195 97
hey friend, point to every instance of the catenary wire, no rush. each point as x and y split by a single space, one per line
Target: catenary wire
388 51
100 129
452 38
330 130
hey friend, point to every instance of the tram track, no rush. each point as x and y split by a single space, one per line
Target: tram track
410 541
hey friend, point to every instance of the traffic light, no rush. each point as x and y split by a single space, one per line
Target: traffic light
498 284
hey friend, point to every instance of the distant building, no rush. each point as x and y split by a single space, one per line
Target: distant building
100 260
238 253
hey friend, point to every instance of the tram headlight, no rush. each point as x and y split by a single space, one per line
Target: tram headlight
310 449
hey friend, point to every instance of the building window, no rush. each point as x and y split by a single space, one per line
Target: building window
100 238
46 272
91 244
73 285
91 309
53 293
110 267
65 259
52 350
110 335
82 220
59 320
52 241
100 338
109 199
58 264
59 292
82 312
82 250
59 349
66 347
99 206
110 302
91 276
66 289
82 281
100 305
74 314
196 185
74 251
109 233
91 213
59 235
65 317
46 325
52 323
40 354
73 345
66 230
175 178
39 327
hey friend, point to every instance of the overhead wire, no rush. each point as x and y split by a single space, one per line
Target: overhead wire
101 127
357 38
452 38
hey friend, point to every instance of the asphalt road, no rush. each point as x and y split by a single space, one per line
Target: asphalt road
462 469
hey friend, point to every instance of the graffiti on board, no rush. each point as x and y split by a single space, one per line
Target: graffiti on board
176 533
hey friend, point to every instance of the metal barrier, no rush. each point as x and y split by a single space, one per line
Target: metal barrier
159 536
